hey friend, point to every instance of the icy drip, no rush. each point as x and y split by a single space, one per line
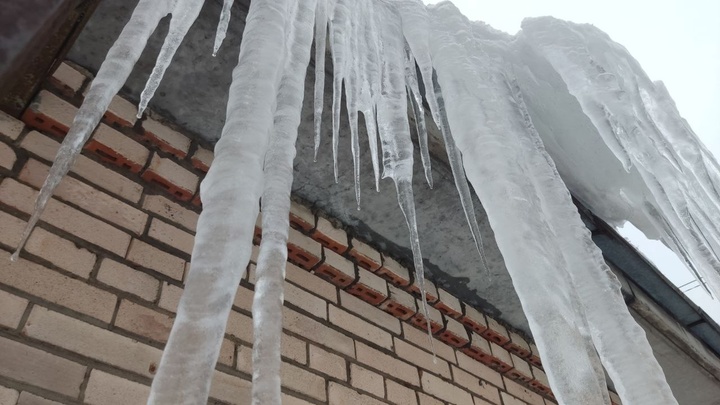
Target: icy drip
619 340
339 32
667 155
270 273
418 113
483 125
321 23
184 14
111 76
416 31
222 27
230 207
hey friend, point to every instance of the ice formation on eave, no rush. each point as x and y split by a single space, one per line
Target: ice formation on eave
489 95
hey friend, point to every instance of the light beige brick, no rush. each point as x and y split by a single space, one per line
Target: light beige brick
294 349
448 304
474 319
387 364
317 332
480 370
227 353
128 152
501 354
420 339
153 258
66 218
240 326
521 365
328 363
53 106
370 313
170 140
399 394
311 282
365 256
171 236
94 172
480 401
244 298
455 333
92 341
69 77
12 309
124 110
88 198
170 297
290 400
108 389
170 210
301 216
522 392
502 334
431 293
231 389
421 358
444 390
476 385
302 381
57 288
42 369
173 174
128 279
8 396
333 238
341 395
428 400
7 156
306 301
369 287
399 304
61 252
360 328
244 359
27 398
143 321
366 380
202 158
306 245
10 126
511 400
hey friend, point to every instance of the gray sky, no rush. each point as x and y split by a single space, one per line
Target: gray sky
676 41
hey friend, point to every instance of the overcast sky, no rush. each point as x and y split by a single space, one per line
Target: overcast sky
676 41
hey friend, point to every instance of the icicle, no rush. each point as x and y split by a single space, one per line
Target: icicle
619 340
230 207
352 95
268 299
339 32
415 23
411 81
223 25
321 24
184 14
110 78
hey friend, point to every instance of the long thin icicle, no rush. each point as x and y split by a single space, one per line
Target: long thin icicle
339 32
418 113
270 273
230 207
321 23
184 15
111 76
223 25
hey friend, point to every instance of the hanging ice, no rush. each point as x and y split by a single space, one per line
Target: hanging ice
110 78
480 89
223 25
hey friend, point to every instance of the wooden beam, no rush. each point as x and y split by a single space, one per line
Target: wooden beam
36 35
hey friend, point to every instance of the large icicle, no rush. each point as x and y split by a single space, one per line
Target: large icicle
485 128
621 343
270 273
111 76
418 114
611 87
184 14
321 23
223 24
230 207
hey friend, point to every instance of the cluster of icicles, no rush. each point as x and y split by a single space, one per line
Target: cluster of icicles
384 53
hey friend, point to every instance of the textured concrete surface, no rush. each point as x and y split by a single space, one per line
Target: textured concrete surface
194 94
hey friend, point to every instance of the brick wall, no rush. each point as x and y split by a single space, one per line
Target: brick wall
86 311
